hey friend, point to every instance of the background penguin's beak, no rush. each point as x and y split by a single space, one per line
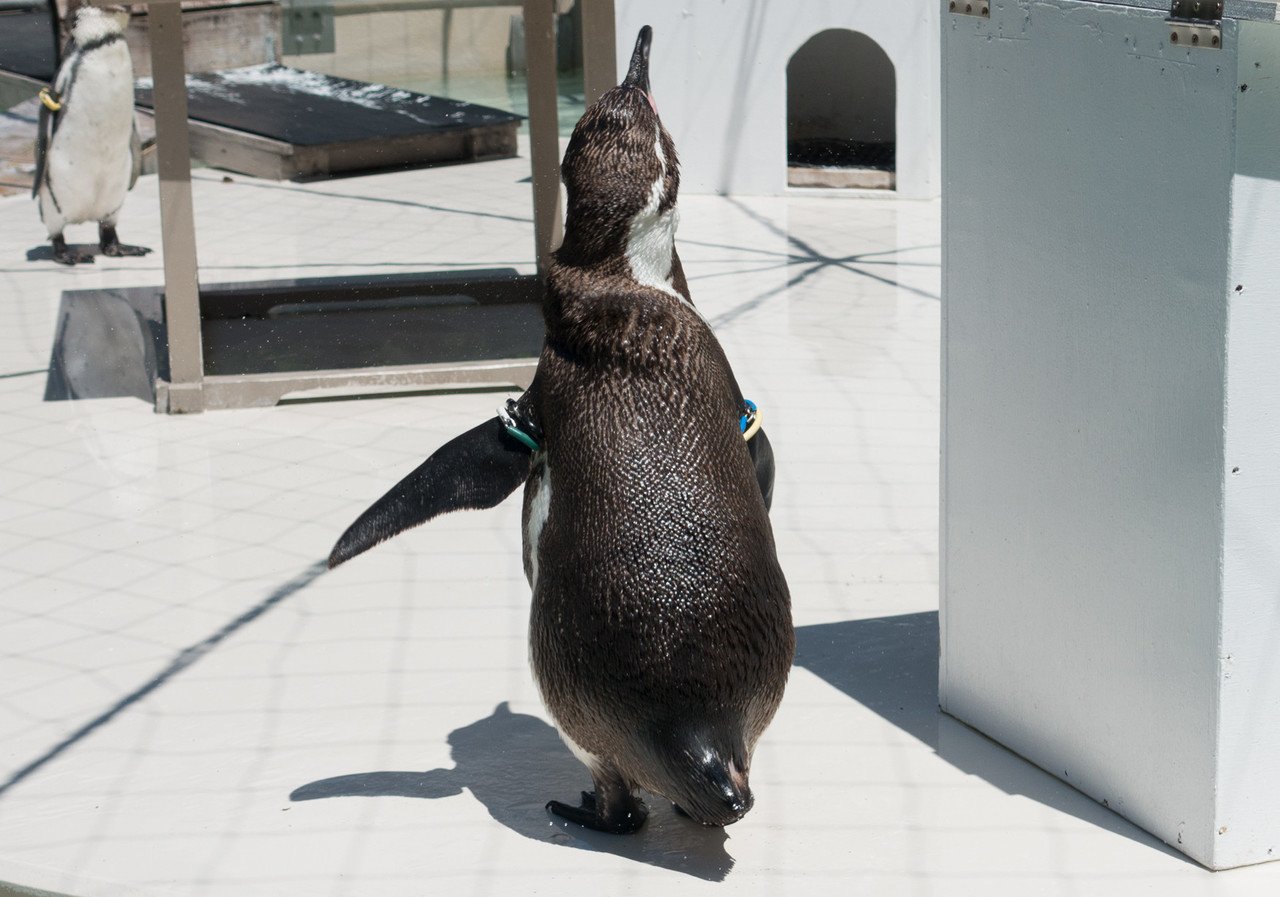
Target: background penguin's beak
638 73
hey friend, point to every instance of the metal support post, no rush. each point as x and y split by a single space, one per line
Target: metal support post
184 391
544 127
599 48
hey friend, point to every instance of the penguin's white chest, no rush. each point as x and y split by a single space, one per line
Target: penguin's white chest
651 234
89 162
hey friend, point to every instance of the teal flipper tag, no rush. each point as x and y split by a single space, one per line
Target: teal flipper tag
750 422
513 429
522 437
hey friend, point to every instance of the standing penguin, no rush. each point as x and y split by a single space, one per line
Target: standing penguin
661 634
88 154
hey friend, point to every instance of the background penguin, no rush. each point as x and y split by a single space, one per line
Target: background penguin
88 154
661 634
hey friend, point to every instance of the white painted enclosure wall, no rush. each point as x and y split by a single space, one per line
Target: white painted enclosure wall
1248 780
1111 411
719 75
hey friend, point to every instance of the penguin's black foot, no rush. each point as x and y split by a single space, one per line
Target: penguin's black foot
111 245
119 250
65 255
617 817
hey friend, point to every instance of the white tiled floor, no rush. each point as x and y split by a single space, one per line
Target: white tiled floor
188 707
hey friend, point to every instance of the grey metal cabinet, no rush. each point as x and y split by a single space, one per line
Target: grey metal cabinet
1111 404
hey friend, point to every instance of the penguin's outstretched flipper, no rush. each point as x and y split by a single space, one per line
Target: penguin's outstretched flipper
478 469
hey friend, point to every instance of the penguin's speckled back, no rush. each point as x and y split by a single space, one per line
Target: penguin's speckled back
661 632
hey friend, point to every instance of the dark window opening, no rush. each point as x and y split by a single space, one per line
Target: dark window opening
841 122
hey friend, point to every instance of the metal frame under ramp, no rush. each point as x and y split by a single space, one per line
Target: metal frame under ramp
188 387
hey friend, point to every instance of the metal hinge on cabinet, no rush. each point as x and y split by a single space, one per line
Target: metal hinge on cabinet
970 7
1195 23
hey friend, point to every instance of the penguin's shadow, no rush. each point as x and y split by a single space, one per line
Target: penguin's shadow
514 763
44 252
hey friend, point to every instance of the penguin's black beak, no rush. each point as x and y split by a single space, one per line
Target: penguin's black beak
638 73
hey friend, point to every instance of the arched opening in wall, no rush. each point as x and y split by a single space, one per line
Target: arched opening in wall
841 122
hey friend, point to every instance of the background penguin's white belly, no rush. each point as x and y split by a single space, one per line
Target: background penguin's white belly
89 161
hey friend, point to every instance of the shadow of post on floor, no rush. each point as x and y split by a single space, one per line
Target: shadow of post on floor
890 666
180 662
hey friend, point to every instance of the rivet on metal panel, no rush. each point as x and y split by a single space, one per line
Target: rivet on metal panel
980 8
308 26
1202 35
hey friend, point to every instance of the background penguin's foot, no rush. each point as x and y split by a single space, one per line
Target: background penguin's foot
119 250
619 813
112 246
64 255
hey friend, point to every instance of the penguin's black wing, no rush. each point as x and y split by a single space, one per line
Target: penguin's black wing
48 121
478 469
679 282
758 446
135 155
44 134
762 457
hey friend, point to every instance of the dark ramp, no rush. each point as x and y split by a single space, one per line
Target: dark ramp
316 124
112 342
28 39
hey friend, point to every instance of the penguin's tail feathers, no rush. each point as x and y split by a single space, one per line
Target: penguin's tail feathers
478 469
708 785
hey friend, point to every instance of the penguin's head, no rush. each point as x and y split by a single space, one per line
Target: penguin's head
620 170
712 789
702 770
93 22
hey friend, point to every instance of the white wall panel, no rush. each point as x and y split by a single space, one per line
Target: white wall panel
719 77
